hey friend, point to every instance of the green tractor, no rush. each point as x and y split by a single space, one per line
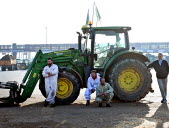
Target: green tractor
105 49
22 64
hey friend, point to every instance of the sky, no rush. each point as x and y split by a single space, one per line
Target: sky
24 21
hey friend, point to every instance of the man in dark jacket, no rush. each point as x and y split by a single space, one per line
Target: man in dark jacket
162 69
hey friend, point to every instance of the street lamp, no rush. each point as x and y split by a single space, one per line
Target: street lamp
46 34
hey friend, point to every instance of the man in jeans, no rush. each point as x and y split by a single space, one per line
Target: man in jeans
162 69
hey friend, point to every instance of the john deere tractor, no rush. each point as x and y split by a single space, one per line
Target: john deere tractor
105 49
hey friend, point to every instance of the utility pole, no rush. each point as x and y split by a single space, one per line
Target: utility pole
46 34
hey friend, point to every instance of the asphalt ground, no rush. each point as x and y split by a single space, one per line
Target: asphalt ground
147 113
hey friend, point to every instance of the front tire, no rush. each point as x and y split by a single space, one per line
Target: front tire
68 88
131 79
22 67
10 68
3 68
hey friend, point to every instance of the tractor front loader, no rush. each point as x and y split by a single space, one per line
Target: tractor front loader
69 82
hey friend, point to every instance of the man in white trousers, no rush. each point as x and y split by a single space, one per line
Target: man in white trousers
92 83
50 72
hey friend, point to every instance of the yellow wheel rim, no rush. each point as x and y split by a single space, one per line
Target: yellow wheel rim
65 88
129 80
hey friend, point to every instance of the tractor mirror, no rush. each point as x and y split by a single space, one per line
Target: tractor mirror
133 48
84 37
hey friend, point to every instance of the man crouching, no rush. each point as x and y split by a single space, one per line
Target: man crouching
104 92
92 83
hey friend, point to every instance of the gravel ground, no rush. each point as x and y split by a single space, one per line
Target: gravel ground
147 113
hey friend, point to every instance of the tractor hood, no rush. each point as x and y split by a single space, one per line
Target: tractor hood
71 55
64 53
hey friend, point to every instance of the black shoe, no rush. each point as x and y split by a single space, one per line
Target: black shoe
87 102
52 105
151 90
164 101
108 105
100 104
46 103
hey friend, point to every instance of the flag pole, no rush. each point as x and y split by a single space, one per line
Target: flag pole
87 18
93 12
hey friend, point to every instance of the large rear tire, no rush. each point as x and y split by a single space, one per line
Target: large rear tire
68 88
131 79
3 68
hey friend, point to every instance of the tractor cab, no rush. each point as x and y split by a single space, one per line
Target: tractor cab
104 42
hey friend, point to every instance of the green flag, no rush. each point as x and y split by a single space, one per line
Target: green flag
87 18
97 13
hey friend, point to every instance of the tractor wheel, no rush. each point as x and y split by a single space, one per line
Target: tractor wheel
15 67
3 68
68 88
10 68
18 66
22 67
131 79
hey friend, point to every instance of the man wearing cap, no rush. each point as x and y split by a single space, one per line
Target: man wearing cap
92 83
162 69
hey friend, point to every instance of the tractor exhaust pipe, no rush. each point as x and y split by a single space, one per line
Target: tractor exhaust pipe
79 41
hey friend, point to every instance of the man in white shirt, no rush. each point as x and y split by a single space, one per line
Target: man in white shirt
50 72
92 83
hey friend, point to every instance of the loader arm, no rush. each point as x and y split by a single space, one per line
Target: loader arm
20 93
32 76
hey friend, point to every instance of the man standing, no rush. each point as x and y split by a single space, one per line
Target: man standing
104 92
162 69
50 72
92 83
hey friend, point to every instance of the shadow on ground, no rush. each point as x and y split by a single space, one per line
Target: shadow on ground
76 115
161 117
